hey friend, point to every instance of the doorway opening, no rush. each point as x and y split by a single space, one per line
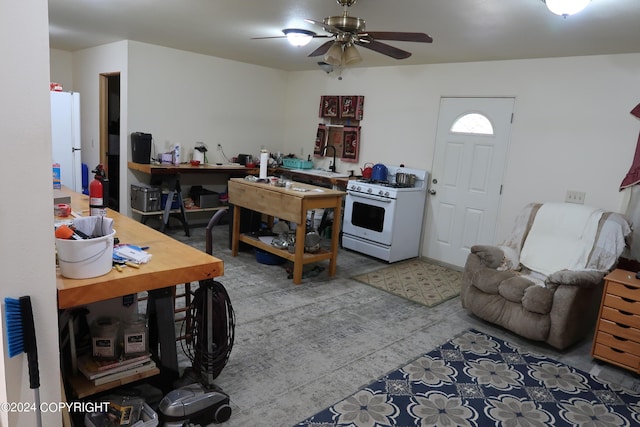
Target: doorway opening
110 134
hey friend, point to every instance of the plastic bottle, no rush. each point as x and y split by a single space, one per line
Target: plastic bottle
176 154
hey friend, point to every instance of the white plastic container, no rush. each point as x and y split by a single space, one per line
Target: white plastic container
83 259
106 338
136 337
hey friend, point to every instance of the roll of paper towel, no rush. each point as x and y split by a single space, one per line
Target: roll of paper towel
264 163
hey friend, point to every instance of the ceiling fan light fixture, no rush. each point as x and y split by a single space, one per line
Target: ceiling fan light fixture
351 55
566 7
334 54
298 37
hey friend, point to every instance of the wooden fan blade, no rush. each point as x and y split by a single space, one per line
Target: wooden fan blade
322 49
399 36
385 49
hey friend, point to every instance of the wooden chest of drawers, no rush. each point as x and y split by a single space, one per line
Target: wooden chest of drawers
617 336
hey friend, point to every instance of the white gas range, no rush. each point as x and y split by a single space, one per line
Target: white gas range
384 219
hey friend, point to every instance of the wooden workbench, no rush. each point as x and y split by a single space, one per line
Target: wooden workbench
172 263
170 174
289 205
169 169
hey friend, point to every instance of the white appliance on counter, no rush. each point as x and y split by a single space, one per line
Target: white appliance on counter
384 219
65 137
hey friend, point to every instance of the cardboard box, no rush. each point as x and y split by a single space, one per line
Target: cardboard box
57 183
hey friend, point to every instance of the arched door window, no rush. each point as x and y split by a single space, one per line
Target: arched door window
472 123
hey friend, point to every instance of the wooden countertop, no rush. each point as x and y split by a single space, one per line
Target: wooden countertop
313 178
169 169
289 204
172 263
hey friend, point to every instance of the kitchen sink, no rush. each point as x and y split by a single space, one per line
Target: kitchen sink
320 172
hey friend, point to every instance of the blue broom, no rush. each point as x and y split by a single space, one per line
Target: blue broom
21 337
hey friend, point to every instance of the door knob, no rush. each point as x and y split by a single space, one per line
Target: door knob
432 192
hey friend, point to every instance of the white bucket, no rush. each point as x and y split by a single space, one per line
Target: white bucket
82 259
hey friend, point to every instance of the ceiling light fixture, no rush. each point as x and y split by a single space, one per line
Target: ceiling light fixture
566 7
351 55
327 68
334 54
298 37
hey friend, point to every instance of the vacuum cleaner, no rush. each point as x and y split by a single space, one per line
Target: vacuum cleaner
202 402
194 404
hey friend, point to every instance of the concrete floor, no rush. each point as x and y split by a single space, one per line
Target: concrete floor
301 348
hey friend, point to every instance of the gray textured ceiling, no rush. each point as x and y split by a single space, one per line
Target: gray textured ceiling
463 30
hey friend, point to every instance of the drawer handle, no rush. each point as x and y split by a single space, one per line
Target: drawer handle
631 288
616 350
619 338
628 300
626 313
622 326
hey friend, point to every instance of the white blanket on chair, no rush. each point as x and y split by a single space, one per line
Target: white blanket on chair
561 237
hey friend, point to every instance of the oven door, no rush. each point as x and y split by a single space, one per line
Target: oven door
369 217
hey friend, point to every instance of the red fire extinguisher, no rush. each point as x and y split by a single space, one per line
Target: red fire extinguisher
98 192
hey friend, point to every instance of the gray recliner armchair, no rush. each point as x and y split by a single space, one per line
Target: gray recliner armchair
545 281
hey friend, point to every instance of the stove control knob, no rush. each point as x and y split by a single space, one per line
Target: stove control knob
369 190
380 193
358 188
386 193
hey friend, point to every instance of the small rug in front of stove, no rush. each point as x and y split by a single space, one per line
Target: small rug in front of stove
477 380
416 280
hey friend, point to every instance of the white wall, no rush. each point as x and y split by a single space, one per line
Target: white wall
182 97
179 97
27 257
61 63
572 128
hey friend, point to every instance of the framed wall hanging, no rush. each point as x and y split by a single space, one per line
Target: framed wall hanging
350 144
329 106
321 140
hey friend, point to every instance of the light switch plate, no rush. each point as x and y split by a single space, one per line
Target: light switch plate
575 197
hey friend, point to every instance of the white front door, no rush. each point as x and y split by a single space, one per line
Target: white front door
466 178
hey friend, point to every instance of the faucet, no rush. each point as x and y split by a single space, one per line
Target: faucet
332 167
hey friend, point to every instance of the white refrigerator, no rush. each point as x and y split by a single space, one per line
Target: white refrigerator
65 137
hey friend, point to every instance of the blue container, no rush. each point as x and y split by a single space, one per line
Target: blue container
268 258
174 203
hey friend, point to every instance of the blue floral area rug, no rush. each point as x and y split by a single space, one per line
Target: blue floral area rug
479 380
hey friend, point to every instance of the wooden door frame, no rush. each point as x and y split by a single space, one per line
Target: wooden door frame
104 114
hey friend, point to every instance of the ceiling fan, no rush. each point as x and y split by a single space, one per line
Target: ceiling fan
349 31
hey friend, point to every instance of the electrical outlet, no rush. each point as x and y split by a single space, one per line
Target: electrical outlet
575 197
219 147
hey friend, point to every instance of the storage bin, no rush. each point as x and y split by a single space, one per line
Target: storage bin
148 418
264 257
290 163
174 203
204 198
145 198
